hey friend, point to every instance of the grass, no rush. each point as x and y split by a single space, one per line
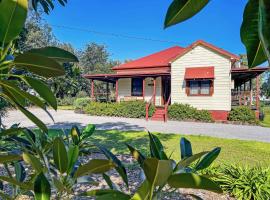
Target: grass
233 151
266 121
70 107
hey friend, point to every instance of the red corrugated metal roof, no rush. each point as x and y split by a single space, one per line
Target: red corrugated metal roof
159 59
165 57
200 73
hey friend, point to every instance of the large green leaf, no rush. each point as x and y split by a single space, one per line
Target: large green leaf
42 188
136 154
42 89
181 10
33 161
187 161
32 117
60 155
157 171
185 147
143 192
40 65
88 131
105 194
95 166
250 34
55 53
25 186
119 166
156 148
264 26
20 173
73 154
12 90
9 158
194 181
12 18
11 131
207 160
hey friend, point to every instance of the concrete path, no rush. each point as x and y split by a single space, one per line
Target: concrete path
65 119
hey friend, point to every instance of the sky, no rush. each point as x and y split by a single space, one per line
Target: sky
102 21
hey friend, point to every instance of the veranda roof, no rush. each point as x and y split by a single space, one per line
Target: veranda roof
245 74
113 77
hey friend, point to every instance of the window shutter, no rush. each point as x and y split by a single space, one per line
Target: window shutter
187 88
211 87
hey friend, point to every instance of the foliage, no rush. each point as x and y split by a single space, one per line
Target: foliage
186 112
66 101
3 109
242 114
73 81
54 161
266 120
94 58
35 34
46 5
254 30
130 109
82 94
245 183
160 170
81 103
24 67
234 151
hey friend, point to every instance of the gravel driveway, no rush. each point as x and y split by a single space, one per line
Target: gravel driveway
66 118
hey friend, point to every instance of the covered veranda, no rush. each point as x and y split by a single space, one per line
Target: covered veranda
246 86
114 79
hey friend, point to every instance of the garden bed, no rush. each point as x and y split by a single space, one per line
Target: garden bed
135 179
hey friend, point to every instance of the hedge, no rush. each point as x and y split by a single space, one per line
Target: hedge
130 109
242 114
186 112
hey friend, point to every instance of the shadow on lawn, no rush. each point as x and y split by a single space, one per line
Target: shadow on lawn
114 135
123 126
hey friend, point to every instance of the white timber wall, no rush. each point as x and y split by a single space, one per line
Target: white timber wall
124 89
202 57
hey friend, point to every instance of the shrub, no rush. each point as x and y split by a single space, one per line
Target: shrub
130 109
242 114
245 183
66 101
186 112
82 94
81 103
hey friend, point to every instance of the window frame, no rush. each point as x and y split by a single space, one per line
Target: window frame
132 87
211 88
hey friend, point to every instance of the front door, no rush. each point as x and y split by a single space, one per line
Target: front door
166 89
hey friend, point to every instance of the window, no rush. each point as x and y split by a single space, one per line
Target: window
199 87
136 87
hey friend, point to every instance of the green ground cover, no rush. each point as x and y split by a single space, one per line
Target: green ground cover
240 152
266 121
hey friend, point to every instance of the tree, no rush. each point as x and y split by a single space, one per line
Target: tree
73 81
41 62
37 33
255 29
94 58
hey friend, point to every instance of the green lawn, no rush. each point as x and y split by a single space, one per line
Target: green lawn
233 151
266 121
